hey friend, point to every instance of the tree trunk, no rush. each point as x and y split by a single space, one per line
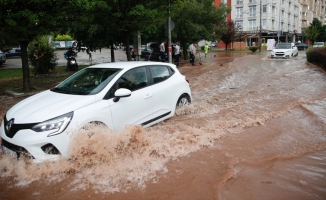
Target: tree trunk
185 50
112 52
25 67
127 47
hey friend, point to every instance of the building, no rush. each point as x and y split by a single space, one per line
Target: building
283 20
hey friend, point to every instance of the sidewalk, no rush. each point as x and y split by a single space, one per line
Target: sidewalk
82 58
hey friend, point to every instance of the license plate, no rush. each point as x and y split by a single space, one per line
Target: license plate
9 152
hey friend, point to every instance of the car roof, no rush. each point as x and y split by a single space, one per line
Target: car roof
129 64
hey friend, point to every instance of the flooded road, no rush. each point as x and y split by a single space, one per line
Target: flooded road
255 130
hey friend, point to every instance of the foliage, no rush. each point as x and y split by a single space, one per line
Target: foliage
24 21
50 57
317 55
314 30
126 18
230 34
63 37
253 48
195 20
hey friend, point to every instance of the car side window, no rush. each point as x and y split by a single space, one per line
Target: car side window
160 73
132 80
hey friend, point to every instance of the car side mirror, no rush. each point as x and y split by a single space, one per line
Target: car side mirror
121 93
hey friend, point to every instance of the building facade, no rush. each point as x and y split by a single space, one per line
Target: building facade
283 20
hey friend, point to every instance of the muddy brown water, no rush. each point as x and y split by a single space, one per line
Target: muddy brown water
255 130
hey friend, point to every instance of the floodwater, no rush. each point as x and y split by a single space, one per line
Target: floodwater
255 130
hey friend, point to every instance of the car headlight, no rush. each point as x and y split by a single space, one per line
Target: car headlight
288 51
57 125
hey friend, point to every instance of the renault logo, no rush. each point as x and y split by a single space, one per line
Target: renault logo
8 126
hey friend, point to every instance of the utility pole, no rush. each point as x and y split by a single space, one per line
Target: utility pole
260 27
279 23
169 44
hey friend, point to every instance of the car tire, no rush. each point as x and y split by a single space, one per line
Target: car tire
183 100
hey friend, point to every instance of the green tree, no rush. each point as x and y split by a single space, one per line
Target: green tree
312 33
25 20
196 20
117 21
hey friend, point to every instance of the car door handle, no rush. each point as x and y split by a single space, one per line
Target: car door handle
147 96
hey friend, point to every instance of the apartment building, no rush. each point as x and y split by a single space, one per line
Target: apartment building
312 9
283 20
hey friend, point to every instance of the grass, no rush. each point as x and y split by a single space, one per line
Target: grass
12 79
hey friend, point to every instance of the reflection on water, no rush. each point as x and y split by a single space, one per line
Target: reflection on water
256 126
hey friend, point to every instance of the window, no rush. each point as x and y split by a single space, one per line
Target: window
239 1
87 82
252 1
160 73
263 22
239 25
132 80
252 11
239 12
252 24
264 8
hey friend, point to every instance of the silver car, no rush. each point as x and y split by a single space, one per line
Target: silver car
3 58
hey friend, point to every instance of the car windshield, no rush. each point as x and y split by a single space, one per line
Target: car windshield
88 81
319 43
283 46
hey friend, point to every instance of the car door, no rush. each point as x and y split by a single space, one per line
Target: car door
137 108
163 90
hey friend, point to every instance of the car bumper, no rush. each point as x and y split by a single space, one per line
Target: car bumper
281 55
35 145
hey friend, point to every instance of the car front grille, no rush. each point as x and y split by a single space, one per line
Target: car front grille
11 128
279 53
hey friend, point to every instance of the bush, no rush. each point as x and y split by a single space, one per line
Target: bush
50 57
253 49
317 56
63 38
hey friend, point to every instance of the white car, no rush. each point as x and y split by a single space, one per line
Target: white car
113 94
318 44
284 50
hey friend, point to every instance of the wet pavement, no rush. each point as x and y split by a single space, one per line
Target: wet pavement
255 130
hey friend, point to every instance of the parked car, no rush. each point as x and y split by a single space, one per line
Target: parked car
112 94
284 50
319 44
301 46
13 53
151 51
3 58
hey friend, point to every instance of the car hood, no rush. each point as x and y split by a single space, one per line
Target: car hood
47 105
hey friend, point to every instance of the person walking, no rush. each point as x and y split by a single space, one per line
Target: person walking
38 54
176 54
192 52
162 51
206 48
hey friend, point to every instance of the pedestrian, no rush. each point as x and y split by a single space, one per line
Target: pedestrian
192 52
162 51
206 48
176 54
38 54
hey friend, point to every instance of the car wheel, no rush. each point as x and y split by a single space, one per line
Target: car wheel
183 100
